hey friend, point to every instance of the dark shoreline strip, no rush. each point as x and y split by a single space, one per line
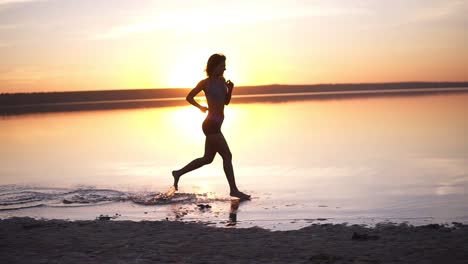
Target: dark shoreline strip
18 109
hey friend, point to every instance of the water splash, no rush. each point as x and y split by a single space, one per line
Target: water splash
13 197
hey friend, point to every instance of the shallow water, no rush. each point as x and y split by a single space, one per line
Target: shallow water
352 160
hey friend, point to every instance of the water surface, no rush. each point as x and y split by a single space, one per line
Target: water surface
349 160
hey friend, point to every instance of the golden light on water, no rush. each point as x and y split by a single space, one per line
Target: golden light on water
313 152
185 121
204 188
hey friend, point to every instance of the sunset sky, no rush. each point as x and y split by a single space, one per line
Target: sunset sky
64 45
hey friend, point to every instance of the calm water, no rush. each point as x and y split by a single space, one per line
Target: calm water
355 160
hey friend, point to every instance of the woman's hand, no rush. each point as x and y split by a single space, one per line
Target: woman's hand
230 84
203 109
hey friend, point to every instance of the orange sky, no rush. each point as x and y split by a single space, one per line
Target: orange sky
56 45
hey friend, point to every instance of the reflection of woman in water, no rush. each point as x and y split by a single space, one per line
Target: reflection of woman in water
218 93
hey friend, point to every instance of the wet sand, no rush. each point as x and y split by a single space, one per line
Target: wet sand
25 240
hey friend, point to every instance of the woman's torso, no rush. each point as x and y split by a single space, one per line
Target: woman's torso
215 93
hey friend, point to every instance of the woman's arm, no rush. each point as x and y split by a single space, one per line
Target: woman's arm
193 93
230 87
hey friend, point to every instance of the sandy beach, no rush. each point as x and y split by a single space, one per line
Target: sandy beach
25 240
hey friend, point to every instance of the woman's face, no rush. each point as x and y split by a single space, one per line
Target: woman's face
219 70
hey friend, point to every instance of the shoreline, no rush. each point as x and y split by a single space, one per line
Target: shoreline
17 104
26 240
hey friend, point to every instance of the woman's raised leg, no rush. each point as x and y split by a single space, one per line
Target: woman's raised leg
210 152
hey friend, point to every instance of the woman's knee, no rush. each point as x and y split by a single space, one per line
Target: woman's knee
227 156
207 159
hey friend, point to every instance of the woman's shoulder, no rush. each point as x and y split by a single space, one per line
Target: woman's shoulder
203 84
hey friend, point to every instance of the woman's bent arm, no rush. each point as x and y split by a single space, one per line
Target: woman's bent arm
230 87
191 97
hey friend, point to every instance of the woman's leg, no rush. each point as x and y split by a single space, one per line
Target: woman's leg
223 149
210 152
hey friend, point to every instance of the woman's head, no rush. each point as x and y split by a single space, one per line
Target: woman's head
216 65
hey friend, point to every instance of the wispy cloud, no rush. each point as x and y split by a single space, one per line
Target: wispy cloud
27 75
209 19
5 2
8 27
441 10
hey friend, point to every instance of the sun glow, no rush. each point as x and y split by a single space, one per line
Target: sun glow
186 120
186 72
186 68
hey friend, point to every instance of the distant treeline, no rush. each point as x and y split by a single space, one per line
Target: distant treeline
21 103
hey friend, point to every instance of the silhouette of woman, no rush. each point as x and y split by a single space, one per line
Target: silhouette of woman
218 93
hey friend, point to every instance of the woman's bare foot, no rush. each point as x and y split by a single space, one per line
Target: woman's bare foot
176 179
242 196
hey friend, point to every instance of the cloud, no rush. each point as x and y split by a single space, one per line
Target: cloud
6 2
9 26
207 19
4 45
28 75
441 10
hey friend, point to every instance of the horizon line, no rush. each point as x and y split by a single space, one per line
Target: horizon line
243 86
